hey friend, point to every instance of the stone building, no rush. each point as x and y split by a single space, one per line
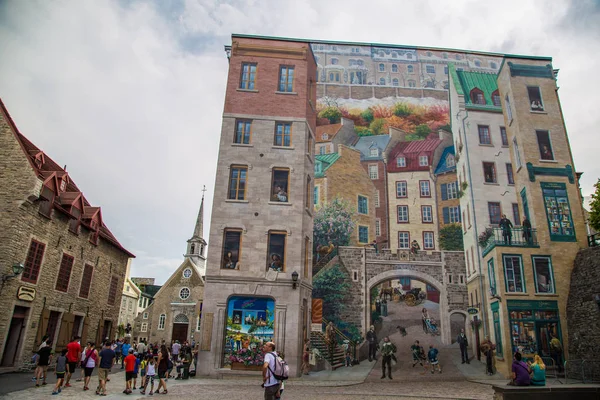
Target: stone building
341 175
74 267
447 189
147 291
330 136
176 308
130 300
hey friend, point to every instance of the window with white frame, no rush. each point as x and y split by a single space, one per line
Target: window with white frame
145 315
403 240
513 274
401 162
382 81
423 161
184 293
430 69
508 108
428 242
424 189
450 160
161 321
377 205
377 227
374 152
144 327
401 189
426 214
543 274
454 214
373 172
187 273
452 189
381 67
402 214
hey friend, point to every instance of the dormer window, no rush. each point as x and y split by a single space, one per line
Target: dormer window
423 161
477 63
47 197
401 162
74 223
477 97
450 161
63 184
374 152
496 98
325 136
318 167
409 56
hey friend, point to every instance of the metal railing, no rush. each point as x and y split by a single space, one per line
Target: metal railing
320 262
594 240
341 338
518 237
553 371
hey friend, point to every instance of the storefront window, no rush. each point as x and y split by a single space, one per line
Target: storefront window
532 324
558 212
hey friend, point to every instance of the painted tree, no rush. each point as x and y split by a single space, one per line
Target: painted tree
451 238
333 224
595 208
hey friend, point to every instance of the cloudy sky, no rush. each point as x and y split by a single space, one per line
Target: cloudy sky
129 94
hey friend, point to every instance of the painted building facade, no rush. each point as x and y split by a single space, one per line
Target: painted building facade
331 135
130 299
447 189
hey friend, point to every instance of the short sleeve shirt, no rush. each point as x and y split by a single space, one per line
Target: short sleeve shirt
130 363
521 372
44 354
73 350
270 358
107 357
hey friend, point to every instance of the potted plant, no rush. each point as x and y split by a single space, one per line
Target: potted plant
249 359
485 236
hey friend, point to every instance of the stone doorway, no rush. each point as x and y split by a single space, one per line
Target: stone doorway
180 328
14 339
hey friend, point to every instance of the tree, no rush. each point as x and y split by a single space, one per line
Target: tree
451 238
333 223
332 286
595 208
333 114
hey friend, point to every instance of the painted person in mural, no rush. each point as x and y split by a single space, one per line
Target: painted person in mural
372 339
276 264
506 226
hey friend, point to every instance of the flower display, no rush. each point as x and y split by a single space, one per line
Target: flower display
249 356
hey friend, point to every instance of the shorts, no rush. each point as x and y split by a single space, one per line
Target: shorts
88 371
72 366
103 373
129 376
143 373
60 375
433 362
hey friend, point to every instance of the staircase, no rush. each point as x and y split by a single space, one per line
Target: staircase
337 359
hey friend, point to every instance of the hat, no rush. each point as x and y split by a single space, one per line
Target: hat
131 350
135 353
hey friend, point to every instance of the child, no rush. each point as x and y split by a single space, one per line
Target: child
61 368
150 373
144 361
433 360
129 363
348 359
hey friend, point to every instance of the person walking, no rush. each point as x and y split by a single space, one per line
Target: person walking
372 339
61 368
556 350
141 347
129 367
306 358
43 360
118 348
163 367
175 350
463 342
91 358
432 357
106 358
506 226
150 374
487 347
270 384
73 358
387 352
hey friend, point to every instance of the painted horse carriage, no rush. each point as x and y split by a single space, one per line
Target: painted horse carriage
412 297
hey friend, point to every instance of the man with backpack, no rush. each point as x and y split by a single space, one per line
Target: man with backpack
274 371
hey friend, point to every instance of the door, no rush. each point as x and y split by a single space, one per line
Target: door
15 332
180 332
52 325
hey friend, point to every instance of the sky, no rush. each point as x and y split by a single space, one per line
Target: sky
129 94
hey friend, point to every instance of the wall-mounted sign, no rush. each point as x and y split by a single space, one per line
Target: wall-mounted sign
26 293
473 310
316 328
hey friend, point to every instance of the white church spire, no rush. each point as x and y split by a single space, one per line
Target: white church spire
196 245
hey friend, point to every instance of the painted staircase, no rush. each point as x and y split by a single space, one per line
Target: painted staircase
337 359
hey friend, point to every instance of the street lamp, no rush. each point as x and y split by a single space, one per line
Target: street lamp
294 280
17 269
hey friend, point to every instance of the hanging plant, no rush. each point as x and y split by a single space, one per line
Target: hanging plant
485 236
475 324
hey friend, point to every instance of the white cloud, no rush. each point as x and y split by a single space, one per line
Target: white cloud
130 95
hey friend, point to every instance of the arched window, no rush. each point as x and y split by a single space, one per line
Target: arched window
496 98
394 68
382 81
334 48
381 54
334 61
458 57
161 321
445 56
409 56
381 67
477 96
477 63
394 54
395 82
192 248
493 65
410 69
181 319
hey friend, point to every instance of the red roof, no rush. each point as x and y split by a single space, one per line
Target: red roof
411 151
47 169
330 130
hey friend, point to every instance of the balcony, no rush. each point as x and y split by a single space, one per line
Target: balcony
520 237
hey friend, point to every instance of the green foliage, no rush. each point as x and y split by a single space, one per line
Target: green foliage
333 223
377 126
402 110
332 286
595 208
451 238
446 128
422 131
374 294
349 330
362 131
375 317
412 137
367 115
232 326
333 114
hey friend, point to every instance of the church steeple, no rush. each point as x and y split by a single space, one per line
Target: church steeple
196 245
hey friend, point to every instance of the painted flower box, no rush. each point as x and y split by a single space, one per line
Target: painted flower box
238 366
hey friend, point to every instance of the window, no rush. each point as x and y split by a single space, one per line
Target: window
428 243
451 215
363 234
468 265
377 227
248 76
495 212
516 214
374 152
112 290
509 174
382 67
450 160
276 251
489 172
145 315
76 221
543 274
184 293
394 68
401 189
322 150
187 273
430 69
409 56
403 240
484 134
493 65
382 81
334 61
423 161
401 162
492 277
373 172
363 207
307 250
242 132
477 97
503 136
496 98
325 136
450 191
286 78
33 262
144 327
445 70
377 199
237 182
280 185
558 211
395 82
334 76
231 256
426 214
424 189
469 216
410 69
508 109
513 274
497 328
544 144
309 192
449 278
283 134
412 83
161 321
402 214
311 146
86 281
535 98
64 273
517 153
316 195
477 63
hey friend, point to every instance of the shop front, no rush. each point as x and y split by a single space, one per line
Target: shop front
532 325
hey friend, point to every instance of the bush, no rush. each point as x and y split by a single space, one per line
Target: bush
333 114
422 131
350 330
402 110
451 238
332 286
362 131
377 126
375 317
367 115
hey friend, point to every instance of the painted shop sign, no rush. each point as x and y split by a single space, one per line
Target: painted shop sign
473 310
533 304
26 293
316 328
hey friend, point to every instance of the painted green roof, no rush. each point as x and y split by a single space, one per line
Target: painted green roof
465 81
323 162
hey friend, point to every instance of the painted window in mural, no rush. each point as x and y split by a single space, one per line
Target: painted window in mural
242 132
276 251
542 272
237 182
513 274
286 78
280 185
232 242
545 145
533 324
558 211
403 240
535 98
250 323
489 172
503 136
283 134
363 234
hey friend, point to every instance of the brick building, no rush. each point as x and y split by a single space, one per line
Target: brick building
447 189
258 271
330 136
74 266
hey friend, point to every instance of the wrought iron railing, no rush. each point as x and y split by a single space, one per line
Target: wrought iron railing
518 237
341 338
321 261
594 240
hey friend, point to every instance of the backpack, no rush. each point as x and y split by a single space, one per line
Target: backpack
282 370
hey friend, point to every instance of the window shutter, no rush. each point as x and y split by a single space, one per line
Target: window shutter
84 331
42 326
446 213
459 214
444 192
66 328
